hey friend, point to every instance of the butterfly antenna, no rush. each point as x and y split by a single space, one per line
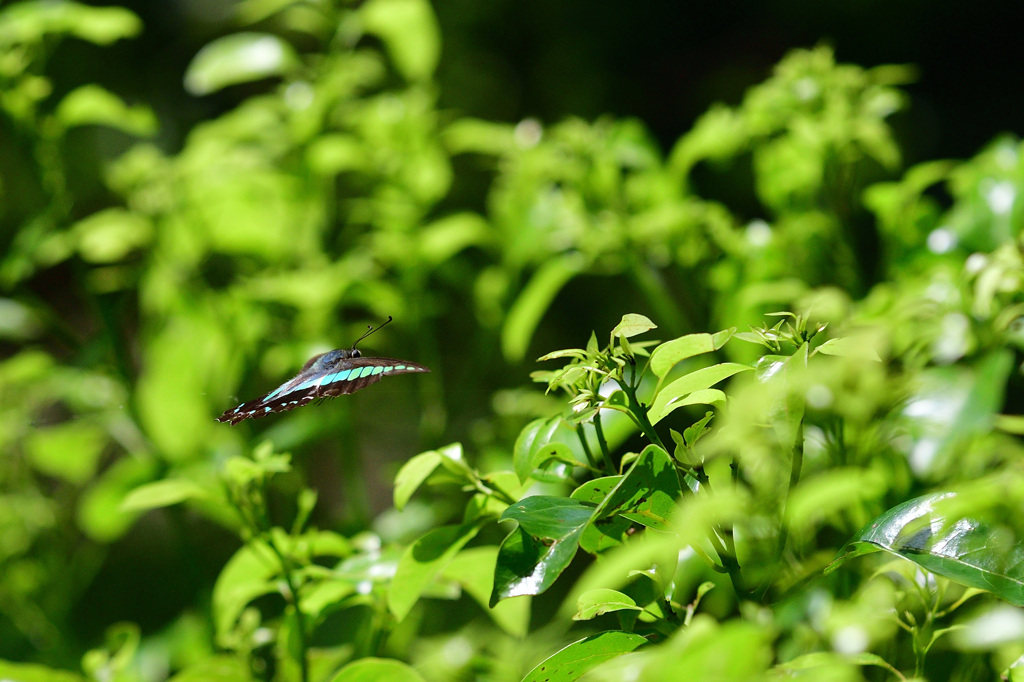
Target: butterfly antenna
369 330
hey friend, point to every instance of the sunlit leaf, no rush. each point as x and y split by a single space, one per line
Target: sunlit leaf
33 672
533 555
601 601
964 550
647 493
110 235
413 473
694 381
474 569
422 561
223 668
376 669
631 325
574 660
669 354
410 31
239 58
169 491
93 105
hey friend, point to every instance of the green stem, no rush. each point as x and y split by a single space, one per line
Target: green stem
640 413
586 447
606 455
794 476
293 597
492 491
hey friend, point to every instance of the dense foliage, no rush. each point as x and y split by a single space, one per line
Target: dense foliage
762 388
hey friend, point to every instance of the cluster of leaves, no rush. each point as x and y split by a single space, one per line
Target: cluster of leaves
696 504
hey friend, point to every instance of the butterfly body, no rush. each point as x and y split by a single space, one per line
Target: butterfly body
331 374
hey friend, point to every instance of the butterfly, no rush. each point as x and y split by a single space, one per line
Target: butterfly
330 374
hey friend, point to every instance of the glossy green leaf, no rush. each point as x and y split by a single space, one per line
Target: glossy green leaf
594 603
558 452
706 396
694 381
571 662
377 670
169 491
632 325
647 494
609 531
533 555
412 475
410 31
93 105
473 569
669 354
964 550
533 302
422 561
534 437
239 58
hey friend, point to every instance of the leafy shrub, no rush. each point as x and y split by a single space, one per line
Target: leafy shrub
694 503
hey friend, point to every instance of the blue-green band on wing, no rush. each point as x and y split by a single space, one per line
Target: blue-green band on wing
325 376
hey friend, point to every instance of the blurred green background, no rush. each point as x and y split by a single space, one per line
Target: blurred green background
195 197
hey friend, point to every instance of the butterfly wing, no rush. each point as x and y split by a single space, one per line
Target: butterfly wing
348 375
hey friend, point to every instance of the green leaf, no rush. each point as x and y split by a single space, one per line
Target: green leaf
410 32
247 575
558 452
534 436
647 493
532 556
109 235
669 354
633 324
593 603
165 493
473 569
239 58
696 431
609 531
377 670
443 238
32 672
93 105
69 451
964 550
534 300
665 401
100 514
223 668
571 662
468 135
30 22
412 474
849 347
422 561
821 659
